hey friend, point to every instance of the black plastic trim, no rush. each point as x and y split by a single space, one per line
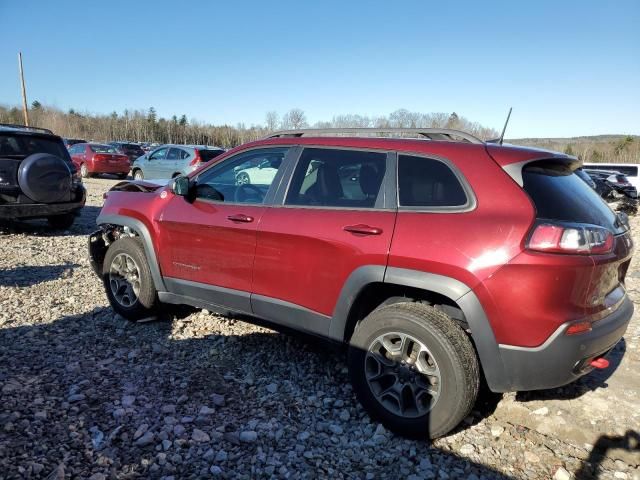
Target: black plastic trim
40 210
290 315
358 279
225 298
147 243
553 364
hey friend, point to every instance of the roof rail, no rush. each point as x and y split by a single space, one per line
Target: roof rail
24 127
445 134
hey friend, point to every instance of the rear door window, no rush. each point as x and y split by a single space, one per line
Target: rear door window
174 154
559 194
337 178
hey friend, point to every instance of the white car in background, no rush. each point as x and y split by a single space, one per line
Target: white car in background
261 174
629 170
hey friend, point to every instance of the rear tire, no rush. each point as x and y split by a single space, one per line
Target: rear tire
61 222
127 280
436 386
138 175
84 171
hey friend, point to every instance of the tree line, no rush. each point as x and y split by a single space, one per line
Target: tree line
148 126
594 149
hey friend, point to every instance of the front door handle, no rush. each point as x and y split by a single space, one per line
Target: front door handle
240 217
363 229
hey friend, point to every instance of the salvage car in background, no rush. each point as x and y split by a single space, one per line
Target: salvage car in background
95 158
630 170
170 161
25 192
612 184
69 142
131 150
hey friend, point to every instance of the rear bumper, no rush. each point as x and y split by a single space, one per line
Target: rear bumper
14 211
102 168
563 358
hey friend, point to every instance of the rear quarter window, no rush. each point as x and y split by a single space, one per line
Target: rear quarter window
426 182
208 155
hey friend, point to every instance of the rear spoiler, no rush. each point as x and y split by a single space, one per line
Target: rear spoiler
513 159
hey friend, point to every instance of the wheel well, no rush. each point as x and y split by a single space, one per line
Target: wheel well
99 241
376 295
177 174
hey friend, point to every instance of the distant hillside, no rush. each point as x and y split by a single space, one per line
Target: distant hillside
595 148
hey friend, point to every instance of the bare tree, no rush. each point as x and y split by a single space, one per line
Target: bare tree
271 121
294 119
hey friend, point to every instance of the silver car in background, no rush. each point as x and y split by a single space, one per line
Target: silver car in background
169 161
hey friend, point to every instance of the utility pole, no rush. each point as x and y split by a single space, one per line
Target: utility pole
24 92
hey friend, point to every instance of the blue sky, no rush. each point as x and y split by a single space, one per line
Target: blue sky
567 67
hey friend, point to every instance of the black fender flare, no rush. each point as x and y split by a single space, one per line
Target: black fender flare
460 293
141 229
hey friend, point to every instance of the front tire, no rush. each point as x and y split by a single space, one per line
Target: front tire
127 280
138 175
414 369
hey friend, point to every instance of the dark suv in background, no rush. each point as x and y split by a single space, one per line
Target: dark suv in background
37 177
437 260
131 150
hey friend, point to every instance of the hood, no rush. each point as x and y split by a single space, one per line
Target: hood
145 186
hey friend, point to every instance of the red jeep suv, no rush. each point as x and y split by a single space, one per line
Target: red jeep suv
436 259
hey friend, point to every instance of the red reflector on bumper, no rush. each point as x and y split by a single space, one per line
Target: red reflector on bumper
599 363
578 327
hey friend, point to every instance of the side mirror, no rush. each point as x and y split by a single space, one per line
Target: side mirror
181 186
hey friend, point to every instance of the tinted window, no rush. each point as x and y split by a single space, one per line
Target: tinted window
208 155
559 194
20 146
337 178
243 178
425 182
174 154
585 177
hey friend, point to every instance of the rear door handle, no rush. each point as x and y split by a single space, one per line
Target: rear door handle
363 229
240 217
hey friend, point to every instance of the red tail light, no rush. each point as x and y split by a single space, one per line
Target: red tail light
571 239
99 157
197 160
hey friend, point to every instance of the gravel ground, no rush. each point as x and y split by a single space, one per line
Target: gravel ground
86 394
